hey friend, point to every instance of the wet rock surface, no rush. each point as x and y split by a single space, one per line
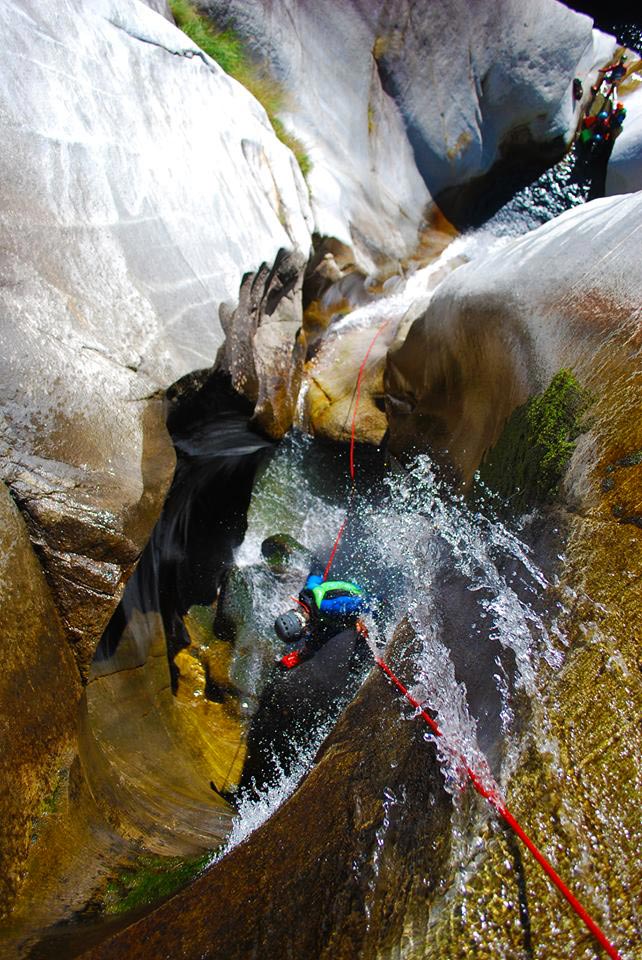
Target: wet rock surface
550 308
39 692
332 376
132 210
311 881
498 330
397 105
149 756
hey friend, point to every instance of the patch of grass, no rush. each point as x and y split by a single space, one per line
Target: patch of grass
526 465
229 51
149 880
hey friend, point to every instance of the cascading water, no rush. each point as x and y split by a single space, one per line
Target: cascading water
484 633
469 587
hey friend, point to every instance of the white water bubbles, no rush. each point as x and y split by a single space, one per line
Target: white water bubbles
256 805
296 495
477 602
468 586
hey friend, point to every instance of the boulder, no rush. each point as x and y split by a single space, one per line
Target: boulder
499 328
141 185
400 103
332 378
355 347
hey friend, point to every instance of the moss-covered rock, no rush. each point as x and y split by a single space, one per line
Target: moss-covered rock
150 879
281 551
526 465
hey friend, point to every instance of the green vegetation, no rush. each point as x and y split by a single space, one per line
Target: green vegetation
526 465
149 880
229 51
51 803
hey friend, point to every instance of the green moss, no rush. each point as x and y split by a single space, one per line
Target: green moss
149 880
527 464
229 51
51 803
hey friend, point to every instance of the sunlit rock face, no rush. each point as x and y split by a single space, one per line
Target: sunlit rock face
148 756
624 171
566 295
499 328
263 352
39 690
398 103
140 184
360 319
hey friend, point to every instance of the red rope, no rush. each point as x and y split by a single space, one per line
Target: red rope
352 440
356 402
498 804
335 548
301 604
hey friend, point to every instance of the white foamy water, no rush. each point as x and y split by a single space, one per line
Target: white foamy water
409 295
423 531
257 805
401 544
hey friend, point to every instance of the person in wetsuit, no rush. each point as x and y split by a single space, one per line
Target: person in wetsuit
325 608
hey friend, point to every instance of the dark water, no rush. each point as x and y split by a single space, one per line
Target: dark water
204 515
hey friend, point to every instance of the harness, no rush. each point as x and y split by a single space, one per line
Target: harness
330 589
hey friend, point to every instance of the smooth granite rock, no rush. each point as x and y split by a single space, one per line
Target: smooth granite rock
400 103
140 185
624 171
498 329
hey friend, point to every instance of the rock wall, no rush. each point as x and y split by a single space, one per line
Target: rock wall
498 329
141 184
566 295
399 103
39 691
313 881
624 171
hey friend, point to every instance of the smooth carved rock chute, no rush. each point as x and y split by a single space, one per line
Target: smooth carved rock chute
496 332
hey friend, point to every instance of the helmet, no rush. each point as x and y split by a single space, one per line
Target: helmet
290 626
